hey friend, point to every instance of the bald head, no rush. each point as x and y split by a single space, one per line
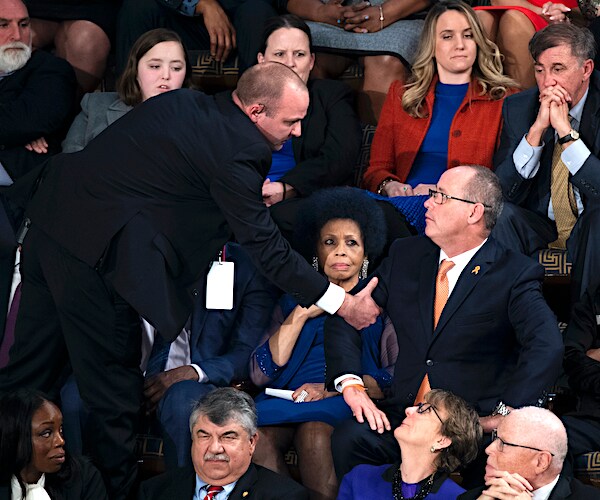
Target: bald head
266 84
539 428
531 442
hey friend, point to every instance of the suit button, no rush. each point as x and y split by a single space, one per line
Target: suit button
195 292
429 362
2 147
456 133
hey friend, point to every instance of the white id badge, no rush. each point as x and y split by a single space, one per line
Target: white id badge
219 286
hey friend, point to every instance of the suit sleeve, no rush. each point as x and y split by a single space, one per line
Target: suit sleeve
514 187
343 344
580 336
540 343
250 323
76 137
238 195
337 152
43 105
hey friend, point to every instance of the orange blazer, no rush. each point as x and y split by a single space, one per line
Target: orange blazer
473 138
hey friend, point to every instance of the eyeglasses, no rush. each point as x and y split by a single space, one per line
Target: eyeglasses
501 443
426 408
441 198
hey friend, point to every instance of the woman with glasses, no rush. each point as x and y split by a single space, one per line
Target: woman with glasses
448 114
436 437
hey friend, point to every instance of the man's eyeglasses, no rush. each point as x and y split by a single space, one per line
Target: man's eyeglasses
441 198
426 408
501 443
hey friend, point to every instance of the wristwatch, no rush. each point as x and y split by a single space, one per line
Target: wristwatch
501 409
573 135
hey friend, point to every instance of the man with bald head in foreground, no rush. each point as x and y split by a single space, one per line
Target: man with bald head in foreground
525 460
127 227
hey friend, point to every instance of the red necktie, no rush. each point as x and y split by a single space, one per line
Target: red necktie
212 492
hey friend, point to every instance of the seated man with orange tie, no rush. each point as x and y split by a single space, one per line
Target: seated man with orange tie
469 316
548 161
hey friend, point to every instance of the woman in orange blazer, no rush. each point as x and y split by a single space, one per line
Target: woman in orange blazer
450 111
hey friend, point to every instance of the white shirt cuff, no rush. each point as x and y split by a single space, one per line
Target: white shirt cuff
332 299
347 379
202 377
575 156
527 158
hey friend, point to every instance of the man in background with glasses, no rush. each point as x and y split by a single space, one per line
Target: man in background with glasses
525 460
469 317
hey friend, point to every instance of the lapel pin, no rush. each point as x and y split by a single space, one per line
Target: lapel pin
245 494
476 270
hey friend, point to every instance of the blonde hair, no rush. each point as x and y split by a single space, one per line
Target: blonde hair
487 67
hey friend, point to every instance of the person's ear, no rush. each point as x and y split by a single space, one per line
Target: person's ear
260 58
442 443
253 441
255 111
543 461
477 213
588 68
312 61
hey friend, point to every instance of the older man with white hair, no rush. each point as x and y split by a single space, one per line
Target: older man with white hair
525 460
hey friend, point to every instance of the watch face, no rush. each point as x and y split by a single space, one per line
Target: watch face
574 134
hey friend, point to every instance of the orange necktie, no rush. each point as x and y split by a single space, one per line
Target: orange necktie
442 289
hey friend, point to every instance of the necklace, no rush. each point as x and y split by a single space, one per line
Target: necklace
421 494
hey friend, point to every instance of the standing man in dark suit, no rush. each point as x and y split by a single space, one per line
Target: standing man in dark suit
224 434
126 227
548 161
525 460
495 341
37 94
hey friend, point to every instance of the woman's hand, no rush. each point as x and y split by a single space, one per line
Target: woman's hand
363 18
39 146
219 27
423 189
395 188
555 12
314 392
333 12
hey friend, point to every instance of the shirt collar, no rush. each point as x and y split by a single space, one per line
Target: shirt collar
543 493
462 259
200 485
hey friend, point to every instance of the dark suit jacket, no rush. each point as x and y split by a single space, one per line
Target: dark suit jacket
566 488
257 482
35 101
221 341
152 199
583 334
496 339
519 113
328 148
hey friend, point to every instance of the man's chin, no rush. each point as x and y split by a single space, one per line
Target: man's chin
14 58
